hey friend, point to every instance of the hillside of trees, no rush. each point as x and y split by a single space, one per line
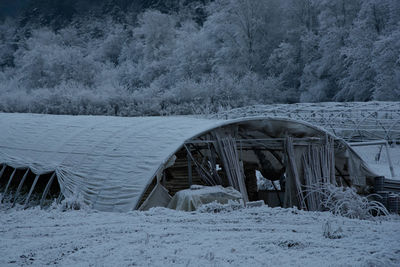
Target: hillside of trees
133 58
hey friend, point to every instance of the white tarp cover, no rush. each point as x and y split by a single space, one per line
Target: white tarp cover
107 160
197 195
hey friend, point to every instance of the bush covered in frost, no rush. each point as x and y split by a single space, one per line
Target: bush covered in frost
344 201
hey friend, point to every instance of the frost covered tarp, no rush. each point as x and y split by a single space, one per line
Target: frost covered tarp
110 161
192 198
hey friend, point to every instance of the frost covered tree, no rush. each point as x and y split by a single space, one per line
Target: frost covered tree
360 81
8 42
320 76
45 62
246 32
386 62
182 57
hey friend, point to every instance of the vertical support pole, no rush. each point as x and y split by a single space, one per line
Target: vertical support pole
288 197
20 186
189 160
2 170
46 189
389 159
31 190
8 184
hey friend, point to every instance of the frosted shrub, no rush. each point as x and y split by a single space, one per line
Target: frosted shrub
344 201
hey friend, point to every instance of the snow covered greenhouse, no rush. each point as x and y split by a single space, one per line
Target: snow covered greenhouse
121 164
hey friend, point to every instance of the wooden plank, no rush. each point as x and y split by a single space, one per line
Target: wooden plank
233 167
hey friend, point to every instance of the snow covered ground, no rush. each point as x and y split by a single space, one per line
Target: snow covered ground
259 236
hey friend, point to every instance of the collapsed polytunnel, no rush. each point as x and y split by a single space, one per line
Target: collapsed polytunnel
121 164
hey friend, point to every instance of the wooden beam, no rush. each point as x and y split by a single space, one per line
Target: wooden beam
271 144
273 140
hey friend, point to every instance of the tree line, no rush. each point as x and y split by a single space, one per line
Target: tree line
202 57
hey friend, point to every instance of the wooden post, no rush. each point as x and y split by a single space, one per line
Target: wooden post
232 165
189 160
46 189
8 184
293 172
20 186
31 190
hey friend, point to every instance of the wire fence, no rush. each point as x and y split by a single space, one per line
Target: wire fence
352 121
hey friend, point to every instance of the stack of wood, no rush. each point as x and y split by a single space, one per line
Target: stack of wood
232 165
319 170
293 183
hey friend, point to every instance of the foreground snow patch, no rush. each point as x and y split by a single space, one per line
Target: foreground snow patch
161 237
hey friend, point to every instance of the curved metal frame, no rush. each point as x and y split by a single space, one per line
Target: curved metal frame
368 120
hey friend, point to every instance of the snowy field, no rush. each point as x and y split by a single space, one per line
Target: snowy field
160 237
249 237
